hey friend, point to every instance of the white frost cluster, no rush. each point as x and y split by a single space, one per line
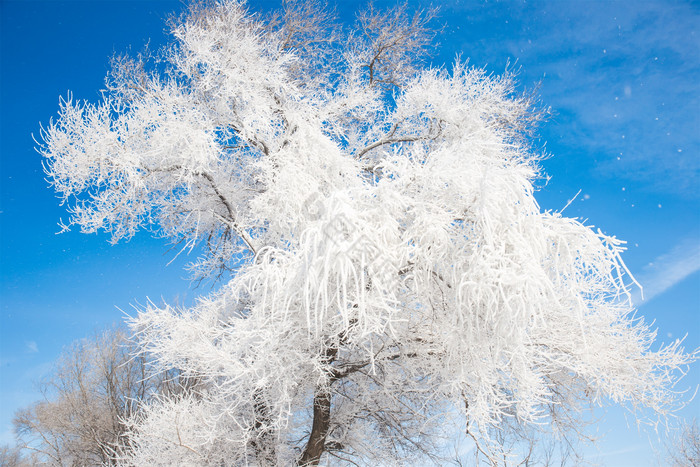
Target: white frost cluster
384 242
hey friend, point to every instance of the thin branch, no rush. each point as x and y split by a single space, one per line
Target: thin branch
389 138
232 223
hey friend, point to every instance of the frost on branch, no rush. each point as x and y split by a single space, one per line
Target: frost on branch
394 279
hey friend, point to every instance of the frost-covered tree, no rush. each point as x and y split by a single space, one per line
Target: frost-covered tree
386 275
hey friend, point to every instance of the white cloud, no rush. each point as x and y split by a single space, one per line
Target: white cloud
32 347
669 269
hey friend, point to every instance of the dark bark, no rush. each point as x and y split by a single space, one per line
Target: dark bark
316 445
319 430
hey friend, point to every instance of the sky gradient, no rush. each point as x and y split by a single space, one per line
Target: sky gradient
621 79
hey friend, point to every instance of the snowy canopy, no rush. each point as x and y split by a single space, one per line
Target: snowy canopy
381 247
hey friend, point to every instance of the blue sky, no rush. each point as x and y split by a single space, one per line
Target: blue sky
622 79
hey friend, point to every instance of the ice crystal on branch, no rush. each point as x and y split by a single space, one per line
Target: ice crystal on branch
393 276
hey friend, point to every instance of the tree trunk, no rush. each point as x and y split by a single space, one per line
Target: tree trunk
319 430
316 445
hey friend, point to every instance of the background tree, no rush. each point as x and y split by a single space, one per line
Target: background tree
515 444
93 388
14 456
685 450
393 278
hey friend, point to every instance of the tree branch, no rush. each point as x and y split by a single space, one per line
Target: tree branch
389 138
232 223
